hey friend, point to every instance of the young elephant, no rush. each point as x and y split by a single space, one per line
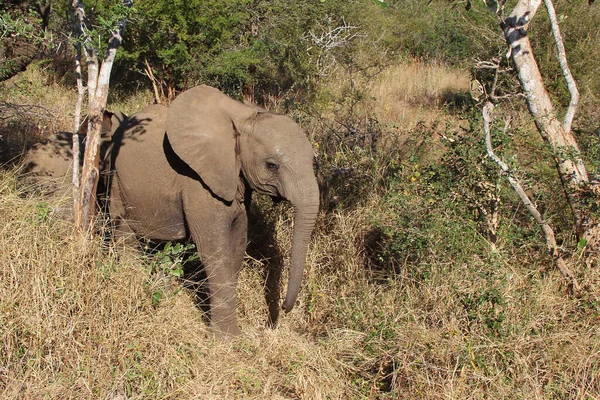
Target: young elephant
187 171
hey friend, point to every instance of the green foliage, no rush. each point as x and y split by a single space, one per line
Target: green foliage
440 200
441 30
260 47
43 211
19 24
20 35
101 20
581 41
181 40
417 226
485 307
171 261
156 297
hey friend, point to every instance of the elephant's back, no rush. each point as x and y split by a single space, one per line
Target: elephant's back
141 146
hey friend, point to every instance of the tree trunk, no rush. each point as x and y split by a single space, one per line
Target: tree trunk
97 90
571 169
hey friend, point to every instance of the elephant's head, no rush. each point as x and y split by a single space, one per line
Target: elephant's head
219 138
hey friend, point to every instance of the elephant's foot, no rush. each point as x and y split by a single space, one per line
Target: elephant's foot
226 331
223 319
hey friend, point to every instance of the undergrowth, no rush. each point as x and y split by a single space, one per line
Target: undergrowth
411 291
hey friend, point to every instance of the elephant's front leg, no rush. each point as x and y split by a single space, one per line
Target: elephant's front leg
221 245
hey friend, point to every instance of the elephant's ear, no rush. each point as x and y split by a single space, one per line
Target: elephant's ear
203 135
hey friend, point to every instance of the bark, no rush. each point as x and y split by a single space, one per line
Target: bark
76 14
566 153
76 128
150 75
551 245
98 80
564 66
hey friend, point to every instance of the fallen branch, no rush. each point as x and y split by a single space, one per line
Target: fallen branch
514 182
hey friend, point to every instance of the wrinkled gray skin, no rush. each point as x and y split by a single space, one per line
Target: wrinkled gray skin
187 171
47 167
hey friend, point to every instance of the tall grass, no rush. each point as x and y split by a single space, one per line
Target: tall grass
406 93
403 298
79 323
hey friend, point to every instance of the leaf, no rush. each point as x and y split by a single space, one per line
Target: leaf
178 248
382 4
582 243
178 272
157 295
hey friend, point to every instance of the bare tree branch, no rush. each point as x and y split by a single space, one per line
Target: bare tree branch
564 66
566 153
98 79
150 75
516 185
328 40
9 110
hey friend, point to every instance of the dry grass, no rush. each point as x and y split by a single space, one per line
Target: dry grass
29 88
413 337
31 111
82 324
414 92
407 94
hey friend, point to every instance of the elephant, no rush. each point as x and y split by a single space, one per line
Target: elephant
188 171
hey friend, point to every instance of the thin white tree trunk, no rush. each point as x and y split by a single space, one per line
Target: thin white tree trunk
516 185
98 80
566 153
564 66
77 15
98 84
77 127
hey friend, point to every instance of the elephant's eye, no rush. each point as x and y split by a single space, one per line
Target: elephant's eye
271 166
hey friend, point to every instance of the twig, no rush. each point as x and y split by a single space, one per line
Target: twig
152 78
9 110
328 40
514 182
494 65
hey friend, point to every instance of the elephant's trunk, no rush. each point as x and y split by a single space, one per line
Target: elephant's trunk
306 208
